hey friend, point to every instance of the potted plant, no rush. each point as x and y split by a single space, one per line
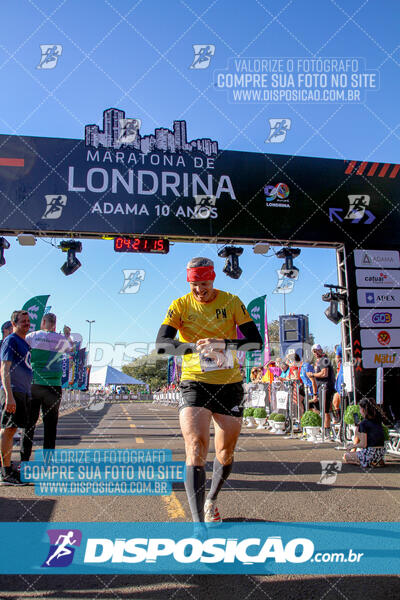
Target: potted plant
311 423
271 420
260 416
386 433
280 424
349 414
248 416
386 436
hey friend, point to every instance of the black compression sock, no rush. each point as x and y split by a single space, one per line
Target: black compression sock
195 486
219 476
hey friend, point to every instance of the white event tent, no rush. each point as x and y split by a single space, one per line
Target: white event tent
110 376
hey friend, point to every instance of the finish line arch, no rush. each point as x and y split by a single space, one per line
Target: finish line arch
163 186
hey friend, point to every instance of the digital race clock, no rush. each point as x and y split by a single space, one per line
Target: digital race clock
142 244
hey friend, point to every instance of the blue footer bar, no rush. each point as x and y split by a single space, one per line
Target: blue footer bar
247 548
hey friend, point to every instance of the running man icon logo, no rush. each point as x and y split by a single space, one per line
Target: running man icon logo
50 55
129 128
132 280
203 54
330 470
205 207
61 551
278 130
357 205
54 206
284 285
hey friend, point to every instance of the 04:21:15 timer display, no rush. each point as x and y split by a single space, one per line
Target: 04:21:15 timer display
142 244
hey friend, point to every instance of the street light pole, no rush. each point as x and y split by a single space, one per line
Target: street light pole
90 331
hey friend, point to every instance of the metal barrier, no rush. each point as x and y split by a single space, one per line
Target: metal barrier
306 397
127 398
73 399
338 430
166 398
322 405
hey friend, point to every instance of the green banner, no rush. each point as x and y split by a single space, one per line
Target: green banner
35 307
255 358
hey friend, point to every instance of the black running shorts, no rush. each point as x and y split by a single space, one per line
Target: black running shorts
22 409
224 399
317 403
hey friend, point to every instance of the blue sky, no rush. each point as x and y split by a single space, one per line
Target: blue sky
136 56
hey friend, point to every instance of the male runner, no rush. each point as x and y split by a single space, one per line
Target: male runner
211 383
15 395
323 374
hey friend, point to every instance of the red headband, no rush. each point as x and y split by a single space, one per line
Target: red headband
200 274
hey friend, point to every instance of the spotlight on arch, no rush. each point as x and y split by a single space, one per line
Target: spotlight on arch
72 264
334 297
288 269
4 244
231 267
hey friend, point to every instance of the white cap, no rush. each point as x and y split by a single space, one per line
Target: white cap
316 347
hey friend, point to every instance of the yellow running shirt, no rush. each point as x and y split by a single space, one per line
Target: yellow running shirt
197 320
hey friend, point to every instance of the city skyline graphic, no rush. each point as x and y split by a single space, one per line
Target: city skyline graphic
111 136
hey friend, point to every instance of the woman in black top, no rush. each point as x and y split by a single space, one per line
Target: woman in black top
370 450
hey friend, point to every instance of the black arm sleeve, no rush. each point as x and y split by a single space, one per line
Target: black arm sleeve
252 339
167 344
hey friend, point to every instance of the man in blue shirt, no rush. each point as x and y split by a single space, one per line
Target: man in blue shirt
16 376
6 330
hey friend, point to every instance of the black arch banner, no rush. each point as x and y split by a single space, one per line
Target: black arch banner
52 185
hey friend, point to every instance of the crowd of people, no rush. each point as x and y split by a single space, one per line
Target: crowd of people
31 373
169 387
310 375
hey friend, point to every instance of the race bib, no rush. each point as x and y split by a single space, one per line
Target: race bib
209 364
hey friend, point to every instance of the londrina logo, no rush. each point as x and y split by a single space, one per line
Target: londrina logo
280 191
61 551
277 196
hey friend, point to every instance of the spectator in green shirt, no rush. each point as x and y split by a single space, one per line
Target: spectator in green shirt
47 349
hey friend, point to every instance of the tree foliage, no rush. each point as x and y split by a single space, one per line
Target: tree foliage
150 368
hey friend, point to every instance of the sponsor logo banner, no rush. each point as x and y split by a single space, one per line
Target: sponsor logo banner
378 298
388 359
379 318
377 258
177 548
380 338
388 278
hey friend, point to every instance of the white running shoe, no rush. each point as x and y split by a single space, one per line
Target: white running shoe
211 512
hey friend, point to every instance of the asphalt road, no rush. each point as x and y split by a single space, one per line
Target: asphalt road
273 479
